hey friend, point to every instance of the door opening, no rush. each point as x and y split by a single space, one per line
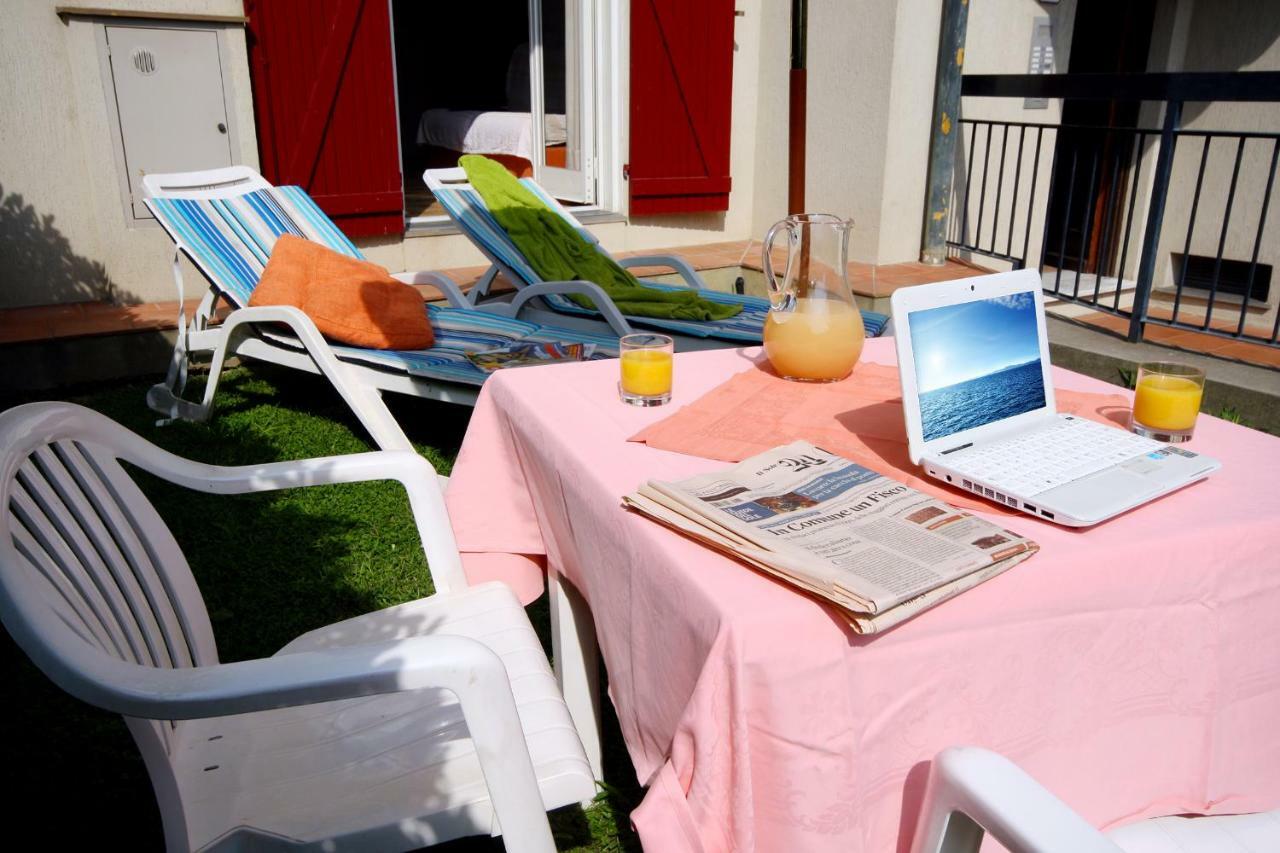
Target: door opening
1094 165
513 85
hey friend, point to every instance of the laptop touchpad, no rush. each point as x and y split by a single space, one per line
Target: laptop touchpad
1097 494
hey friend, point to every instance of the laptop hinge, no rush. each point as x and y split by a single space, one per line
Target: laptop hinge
954 449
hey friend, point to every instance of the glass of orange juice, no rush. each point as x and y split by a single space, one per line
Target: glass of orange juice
1166 400
646 361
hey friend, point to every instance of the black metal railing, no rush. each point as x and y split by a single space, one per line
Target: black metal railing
1095 197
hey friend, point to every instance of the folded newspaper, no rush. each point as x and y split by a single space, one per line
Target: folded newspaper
877 548
528 354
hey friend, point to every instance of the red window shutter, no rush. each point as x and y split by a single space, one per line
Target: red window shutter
681 92
324 103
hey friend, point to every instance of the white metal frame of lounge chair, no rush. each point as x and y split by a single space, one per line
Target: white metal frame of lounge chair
426 721
241 333
476 223
972 791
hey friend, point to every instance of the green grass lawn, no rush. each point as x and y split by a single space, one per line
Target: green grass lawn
270 566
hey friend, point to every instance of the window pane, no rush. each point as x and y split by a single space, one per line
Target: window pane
561 86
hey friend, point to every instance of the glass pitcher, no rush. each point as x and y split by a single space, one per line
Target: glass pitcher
814 331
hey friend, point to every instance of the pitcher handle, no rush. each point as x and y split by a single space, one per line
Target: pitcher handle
778 293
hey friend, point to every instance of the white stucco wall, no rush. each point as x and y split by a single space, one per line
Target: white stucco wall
850 61
63 230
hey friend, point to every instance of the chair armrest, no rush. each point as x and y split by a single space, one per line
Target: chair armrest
404 466
999 797
691 278
604 304
461 665
363 399
452 293
421 483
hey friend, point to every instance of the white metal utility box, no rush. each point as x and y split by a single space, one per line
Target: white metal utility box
168 99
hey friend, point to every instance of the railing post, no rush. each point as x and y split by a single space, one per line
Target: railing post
946 127
1155 218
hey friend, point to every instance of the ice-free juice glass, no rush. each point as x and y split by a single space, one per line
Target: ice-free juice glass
1166 400
646 361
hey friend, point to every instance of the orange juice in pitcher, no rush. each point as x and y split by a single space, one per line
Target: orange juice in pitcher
819 340
814 330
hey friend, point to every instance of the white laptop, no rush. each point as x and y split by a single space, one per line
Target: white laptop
973 358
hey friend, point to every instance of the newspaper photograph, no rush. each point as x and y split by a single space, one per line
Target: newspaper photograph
879 549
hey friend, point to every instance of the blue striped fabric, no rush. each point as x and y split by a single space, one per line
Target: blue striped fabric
465 206
230 239
460 331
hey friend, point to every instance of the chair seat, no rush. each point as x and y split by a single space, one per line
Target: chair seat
1245 833
401 764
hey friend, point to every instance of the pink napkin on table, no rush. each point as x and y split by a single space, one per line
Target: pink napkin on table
859 418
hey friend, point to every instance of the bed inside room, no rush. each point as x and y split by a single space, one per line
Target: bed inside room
463 87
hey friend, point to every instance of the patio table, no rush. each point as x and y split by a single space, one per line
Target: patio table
1134 667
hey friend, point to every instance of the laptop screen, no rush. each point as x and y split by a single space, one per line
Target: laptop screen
976 363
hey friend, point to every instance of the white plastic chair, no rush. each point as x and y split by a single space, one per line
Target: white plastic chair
427 721
973 790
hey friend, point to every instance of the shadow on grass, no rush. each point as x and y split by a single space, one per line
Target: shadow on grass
270 566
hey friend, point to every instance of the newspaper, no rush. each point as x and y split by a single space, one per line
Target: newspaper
527 354
879 549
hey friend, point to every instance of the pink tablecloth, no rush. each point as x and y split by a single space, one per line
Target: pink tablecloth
1134 668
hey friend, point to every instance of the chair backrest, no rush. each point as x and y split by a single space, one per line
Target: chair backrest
466 207
89 573
227 220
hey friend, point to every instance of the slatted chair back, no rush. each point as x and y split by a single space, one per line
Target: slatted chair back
90 576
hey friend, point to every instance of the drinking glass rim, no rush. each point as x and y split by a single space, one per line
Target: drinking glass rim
1172 368
645 340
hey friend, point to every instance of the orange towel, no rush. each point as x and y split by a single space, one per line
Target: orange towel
351 301
859 418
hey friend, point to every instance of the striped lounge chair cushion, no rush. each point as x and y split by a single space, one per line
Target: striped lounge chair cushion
230 239
465 206
460 331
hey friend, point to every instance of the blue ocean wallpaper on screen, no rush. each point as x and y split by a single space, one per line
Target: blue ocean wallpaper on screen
976 363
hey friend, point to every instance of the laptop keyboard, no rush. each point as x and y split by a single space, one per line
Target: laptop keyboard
1030 463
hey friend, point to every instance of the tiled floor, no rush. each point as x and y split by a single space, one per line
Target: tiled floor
1251 353
20 325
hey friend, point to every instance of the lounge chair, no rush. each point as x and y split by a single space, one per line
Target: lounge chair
226 220
425 721
467 209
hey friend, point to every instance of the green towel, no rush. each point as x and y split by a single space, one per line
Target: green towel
557 252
